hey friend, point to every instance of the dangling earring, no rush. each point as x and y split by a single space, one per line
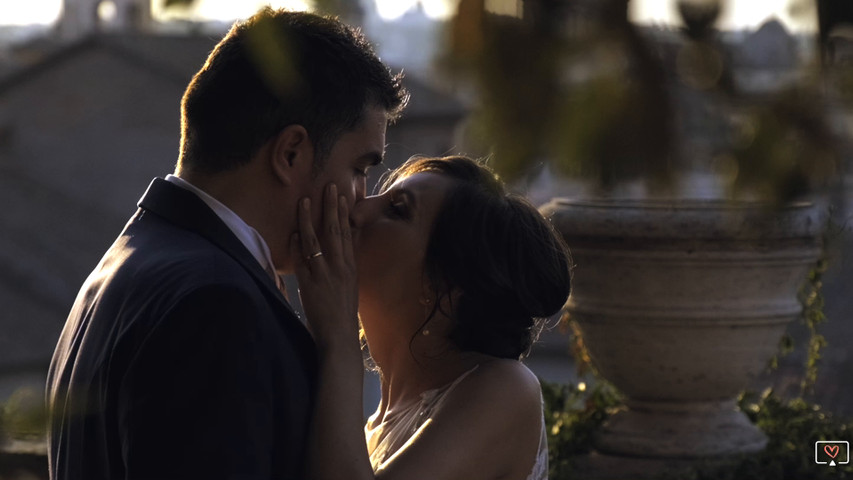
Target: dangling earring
425 302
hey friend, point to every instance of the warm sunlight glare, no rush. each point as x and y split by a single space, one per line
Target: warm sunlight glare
797 15
224 10
391 9
26 12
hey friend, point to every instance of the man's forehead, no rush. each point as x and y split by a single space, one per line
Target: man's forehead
375 114
371 158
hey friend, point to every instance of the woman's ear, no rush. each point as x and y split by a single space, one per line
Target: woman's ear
291 154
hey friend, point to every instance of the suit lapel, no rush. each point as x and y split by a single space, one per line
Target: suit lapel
184 208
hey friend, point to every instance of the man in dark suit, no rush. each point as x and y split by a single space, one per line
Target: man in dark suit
181 358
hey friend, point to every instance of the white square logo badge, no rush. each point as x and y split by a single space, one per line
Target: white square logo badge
832 452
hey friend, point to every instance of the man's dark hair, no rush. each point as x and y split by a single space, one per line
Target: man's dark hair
276 69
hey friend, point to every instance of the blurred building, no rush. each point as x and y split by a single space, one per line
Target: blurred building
82 17
414 40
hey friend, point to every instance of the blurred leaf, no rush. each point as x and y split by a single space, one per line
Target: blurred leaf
270 49
595 105
330 7
177 3
24 415
699 16
801 8
513 67
791 149
594 98
467 30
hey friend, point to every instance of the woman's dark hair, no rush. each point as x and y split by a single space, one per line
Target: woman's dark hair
503 267
281 68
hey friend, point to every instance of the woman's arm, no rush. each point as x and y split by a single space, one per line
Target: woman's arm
337 448
329 294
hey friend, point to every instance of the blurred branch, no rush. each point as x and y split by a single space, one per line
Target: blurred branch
578 85
177 3
832 14
592 100
333 7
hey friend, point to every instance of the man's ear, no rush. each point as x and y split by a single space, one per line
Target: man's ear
291 154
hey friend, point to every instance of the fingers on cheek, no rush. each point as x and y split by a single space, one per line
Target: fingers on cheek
343 211
334 229
330 206
305 215
297 256
313 245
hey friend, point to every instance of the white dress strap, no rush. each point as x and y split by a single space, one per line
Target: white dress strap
540 468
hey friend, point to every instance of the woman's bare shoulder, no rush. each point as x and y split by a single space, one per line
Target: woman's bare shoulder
500 373
502 386
488 426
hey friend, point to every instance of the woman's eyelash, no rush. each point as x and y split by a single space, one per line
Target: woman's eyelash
398 209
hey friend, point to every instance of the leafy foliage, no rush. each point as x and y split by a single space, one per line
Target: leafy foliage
23 416
573 414
177 3
785 148
792 428
811 297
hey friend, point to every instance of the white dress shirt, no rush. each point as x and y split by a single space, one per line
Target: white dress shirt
247 235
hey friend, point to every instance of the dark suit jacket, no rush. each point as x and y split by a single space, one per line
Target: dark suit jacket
180 358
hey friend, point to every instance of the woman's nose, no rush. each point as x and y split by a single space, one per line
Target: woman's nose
365 211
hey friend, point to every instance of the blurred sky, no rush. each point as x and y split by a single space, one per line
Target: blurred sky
796 14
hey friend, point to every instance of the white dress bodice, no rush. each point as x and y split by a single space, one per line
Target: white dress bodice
395 430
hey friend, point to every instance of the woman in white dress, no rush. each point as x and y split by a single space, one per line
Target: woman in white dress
453 278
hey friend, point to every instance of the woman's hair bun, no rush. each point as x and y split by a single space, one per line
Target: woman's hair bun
503 265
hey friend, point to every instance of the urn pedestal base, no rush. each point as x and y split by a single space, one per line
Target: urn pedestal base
601 466
679 430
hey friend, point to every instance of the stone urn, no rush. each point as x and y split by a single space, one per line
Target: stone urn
681 304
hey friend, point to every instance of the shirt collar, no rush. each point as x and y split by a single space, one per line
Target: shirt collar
248 236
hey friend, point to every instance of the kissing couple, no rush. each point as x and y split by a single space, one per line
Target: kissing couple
181 357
